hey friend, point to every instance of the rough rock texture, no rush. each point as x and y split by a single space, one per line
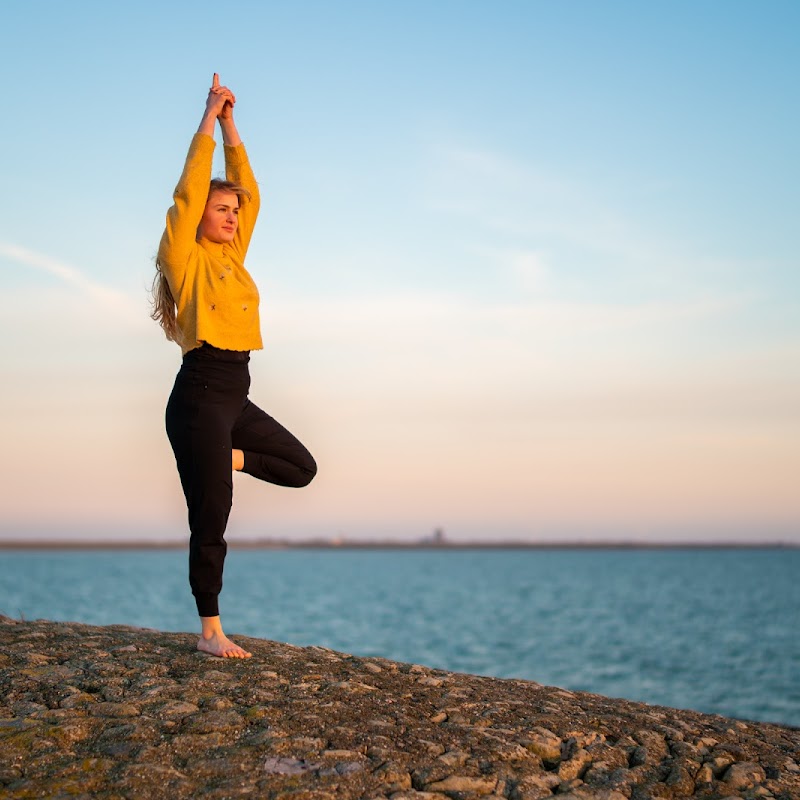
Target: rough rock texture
119 712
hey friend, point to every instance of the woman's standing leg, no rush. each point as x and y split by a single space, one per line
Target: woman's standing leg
200 414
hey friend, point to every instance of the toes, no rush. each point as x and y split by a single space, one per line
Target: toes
227 649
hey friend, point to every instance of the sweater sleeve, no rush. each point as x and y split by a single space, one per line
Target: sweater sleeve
237 169
189 202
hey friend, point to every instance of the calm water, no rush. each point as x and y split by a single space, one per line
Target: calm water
713 630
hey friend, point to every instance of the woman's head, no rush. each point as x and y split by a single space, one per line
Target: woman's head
221 216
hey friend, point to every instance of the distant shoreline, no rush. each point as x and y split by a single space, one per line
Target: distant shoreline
276 544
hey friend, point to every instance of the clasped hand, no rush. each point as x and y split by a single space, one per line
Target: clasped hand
220 100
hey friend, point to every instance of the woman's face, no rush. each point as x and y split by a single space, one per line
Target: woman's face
220 219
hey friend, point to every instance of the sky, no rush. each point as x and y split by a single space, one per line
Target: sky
528 270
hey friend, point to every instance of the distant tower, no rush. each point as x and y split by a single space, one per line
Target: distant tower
438 536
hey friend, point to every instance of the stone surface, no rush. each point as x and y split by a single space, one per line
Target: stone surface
118 712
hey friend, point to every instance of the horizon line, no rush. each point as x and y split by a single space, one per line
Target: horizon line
367 544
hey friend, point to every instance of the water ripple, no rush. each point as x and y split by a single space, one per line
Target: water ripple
714 630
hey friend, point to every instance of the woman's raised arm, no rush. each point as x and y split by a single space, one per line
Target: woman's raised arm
230 136
219 106
238 170
191 193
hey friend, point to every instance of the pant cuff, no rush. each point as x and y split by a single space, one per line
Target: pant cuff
250 466
207 604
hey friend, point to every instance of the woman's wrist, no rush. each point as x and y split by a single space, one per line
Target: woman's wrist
230 136
207 124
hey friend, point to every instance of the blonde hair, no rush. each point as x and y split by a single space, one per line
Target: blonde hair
165 310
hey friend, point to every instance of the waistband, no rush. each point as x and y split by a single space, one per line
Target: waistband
207 352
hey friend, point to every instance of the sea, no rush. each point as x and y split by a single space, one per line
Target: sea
715 630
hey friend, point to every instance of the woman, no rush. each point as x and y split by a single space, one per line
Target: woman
206 301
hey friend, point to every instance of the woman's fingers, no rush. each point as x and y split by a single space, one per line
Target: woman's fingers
225 92
217 89
220 99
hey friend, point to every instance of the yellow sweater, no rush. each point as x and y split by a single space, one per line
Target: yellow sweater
217 300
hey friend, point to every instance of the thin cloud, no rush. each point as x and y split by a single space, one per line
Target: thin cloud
525 203
72 276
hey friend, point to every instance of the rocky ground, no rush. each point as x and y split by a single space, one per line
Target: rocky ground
119 712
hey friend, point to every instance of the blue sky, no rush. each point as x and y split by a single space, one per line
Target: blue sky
528 269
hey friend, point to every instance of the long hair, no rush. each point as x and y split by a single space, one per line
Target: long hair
165 310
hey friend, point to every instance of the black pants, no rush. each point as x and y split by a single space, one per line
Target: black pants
208 415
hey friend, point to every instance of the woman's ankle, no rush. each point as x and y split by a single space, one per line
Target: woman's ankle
211 626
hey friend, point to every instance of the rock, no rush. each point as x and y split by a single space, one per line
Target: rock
637 757
393 778
463 783
432 748
543 742
288 766
118 712
429 681
744 775
655 747
216 704
78 700
575 766
704 777
531 792
454 758
212 721
613 757
173 709
114 710
340 754
583 738
606 776
720 763
679 781
25 709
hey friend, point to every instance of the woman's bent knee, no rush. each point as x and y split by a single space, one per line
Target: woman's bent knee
307 474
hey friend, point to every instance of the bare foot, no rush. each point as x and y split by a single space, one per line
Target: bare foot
218 644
